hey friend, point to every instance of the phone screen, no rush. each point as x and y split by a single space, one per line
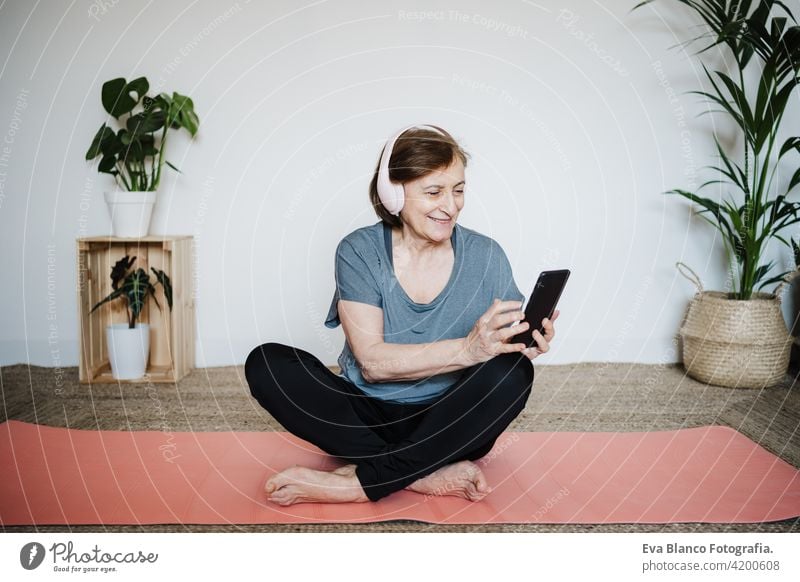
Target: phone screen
542 303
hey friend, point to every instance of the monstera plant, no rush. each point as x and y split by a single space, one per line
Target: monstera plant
129 343
134 153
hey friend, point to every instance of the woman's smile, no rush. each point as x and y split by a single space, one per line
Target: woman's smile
440 221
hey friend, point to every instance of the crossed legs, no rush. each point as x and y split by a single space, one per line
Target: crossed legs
389 446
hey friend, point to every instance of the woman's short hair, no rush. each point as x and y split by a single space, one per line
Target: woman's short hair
416 153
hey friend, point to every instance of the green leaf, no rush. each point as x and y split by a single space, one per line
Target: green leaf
775 279
120 270
140 86
725 106
714 208
116 95
115 101
734 171
774 112
780 238
145 122
640 4
776 207
136 288
164 100
706 203
112 145
189 120
151 290
133 153
107 164
793 143
103 134
739 98
173 167
777 26
762 271
118 273
113 295
794 181
148 145
765 89
182 113
785 9
163 278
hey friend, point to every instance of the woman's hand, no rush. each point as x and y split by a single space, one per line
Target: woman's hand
543 342
489 336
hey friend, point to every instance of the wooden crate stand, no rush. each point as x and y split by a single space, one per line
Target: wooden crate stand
171 333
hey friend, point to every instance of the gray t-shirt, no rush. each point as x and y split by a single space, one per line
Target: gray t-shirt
364 273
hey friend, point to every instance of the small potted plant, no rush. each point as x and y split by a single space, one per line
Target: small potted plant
132 154
129 343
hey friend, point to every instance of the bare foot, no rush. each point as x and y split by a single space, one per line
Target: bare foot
463 479
346 470
303 485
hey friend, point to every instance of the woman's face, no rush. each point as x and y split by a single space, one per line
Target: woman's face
438 195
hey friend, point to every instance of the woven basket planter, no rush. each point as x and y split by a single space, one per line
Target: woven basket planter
735 343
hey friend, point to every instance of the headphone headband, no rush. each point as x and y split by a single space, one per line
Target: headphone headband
391 194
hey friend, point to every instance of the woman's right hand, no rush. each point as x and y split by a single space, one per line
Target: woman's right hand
489 336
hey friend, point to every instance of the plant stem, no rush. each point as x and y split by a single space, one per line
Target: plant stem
152 173
744 276
121 175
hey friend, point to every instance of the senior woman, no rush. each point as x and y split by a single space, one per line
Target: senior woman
429 377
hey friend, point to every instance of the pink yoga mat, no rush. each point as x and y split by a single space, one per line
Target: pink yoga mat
707 474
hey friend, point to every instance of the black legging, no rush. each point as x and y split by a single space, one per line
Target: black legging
393 444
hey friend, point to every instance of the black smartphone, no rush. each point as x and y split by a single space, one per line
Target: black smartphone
543 301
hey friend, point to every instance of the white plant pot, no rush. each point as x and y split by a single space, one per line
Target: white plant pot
130 212
128 350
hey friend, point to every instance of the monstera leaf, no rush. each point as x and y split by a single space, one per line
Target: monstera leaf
116 95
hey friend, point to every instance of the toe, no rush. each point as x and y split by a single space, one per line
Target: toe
475 495
280 497
277 481
481 484
272 484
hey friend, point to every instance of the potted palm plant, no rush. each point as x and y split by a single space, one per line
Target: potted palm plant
129 343
133 154
740 338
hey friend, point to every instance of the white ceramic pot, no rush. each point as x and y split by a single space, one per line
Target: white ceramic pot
130 212
128 350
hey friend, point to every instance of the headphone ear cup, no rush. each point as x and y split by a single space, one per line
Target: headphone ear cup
399 196
391 194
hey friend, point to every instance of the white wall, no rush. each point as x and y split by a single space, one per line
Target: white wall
575 114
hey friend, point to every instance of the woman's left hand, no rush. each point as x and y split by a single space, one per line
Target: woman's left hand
542 341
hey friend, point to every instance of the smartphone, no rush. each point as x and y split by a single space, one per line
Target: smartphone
542 303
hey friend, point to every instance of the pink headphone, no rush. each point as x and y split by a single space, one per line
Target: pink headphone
391 194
